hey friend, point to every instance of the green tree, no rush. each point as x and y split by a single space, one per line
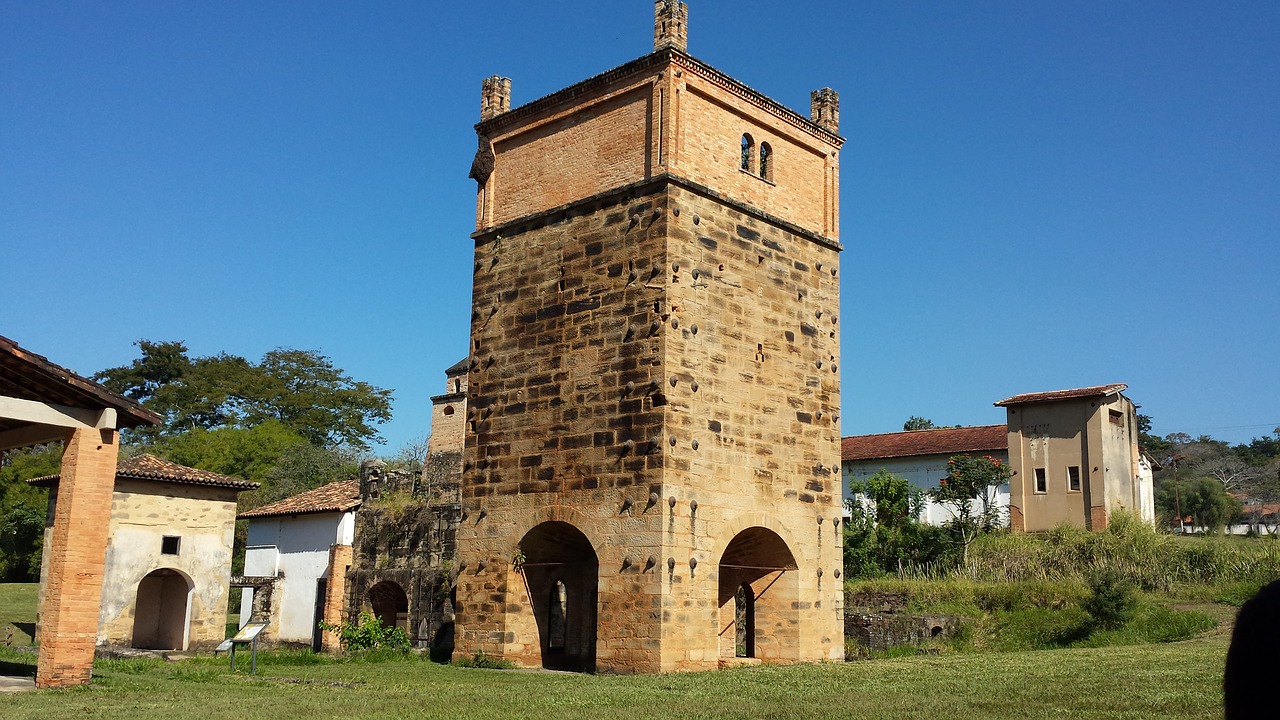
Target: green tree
1203 499
883 533
915 422
22 510
1156 447
301 389
246 452
968 493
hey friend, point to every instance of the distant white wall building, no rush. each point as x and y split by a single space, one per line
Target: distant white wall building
304 543
920 457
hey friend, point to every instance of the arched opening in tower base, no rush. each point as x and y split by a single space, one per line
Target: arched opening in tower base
560 571
759 597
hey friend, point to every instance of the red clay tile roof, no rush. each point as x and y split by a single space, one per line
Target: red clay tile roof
150 467
339 496
1095 391
943 441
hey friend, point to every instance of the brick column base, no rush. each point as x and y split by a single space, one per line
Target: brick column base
1098 518
77 555
1016 521
339 561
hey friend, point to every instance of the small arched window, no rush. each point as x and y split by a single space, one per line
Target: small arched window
766 161
748 152
448 409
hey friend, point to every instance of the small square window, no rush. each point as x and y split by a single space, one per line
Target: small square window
169 545
1042 481
1116 417
1073 478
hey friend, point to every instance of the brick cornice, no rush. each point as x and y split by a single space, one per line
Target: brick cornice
656 59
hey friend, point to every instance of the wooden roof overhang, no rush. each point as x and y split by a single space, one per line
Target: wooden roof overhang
42 402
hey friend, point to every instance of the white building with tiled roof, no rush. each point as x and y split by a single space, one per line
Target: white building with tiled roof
168 561
296 561
920 456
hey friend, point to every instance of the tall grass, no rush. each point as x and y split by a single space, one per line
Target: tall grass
1151 560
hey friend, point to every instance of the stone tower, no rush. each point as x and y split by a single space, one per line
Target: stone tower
651 465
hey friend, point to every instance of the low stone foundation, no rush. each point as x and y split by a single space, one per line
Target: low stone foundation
879 621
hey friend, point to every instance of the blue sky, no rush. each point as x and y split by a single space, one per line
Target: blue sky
1034 195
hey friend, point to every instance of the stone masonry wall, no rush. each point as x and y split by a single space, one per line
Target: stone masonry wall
565 414
406 534
637 349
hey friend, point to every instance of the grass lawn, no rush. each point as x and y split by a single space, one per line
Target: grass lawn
18 611
1173 680
1177 680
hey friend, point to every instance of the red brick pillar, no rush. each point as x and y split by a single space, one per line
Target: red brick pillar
1017 523
335 591
77 553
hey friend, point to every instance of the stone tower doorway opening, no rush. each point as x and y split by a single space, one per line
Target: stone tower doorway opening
561 574
759 597
161 615
389 604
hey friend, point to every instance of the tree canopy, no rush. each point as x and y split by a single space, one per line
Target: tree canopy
299 389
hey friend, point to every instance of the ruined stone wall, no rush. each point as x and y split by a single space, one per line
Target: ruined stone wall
405 535
879 621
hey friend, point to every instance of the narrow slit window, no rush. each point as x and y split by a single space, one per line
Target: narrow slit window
748 151
1073 478
1042 480
766 161
558 617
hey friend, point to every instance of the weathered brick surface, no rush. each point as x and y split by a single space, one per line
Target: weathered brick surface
665 112
340 559
74 568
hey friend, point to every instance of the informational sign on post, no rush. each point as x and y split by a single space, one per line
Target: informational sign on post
248 635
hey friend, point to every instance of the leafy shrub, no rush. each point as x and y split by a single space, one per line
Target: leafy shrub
1111 602
368 633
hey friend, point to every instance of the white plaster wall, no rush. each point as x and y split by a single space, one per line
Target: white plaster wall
924 472
295 549
1146 491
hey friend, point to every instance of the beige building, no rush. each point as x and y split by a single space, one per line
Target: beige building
651 473
168 560
1074 457
448 411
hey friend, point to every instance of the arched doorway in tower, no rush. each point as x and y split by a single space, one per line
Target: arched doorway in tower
759 596
389 604
561 572
161 613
